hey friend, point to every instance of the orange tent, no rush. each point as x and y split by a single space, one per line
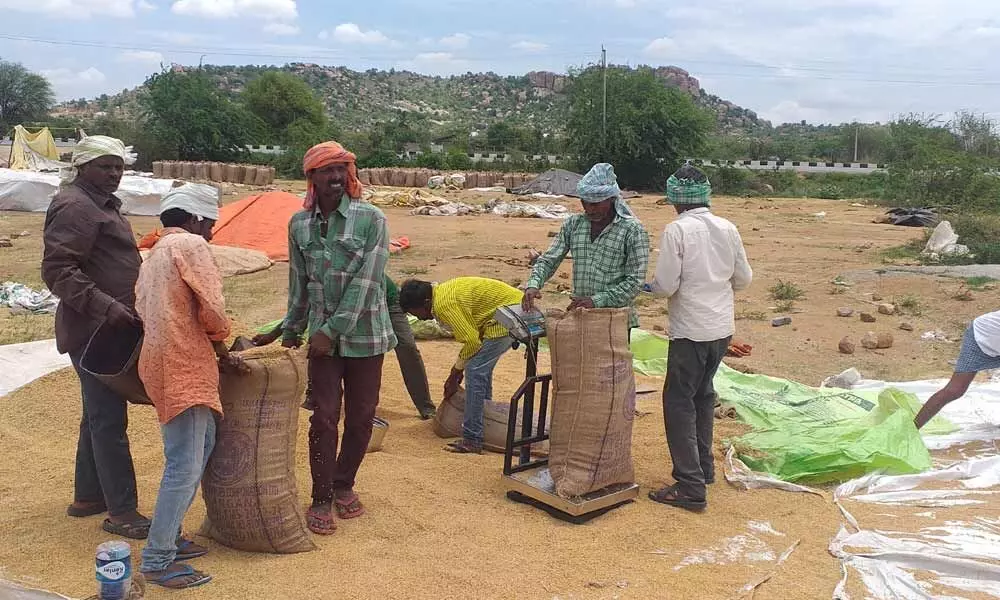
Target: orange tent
258 222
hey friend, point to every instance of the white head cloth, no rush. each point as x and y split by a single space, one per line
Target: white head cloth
93 147
196 199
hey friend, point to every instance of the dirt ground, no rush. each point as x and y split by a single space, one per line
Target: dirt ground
438 525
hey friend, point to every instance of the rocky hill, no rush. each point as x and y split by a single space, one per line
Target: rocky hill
356 99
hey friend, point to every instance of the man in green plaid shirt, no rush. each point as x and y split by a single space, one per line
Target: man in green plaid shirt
337 252
609 246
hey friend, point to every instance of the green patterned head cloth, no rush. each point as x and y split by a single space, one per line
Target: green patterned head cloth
687 186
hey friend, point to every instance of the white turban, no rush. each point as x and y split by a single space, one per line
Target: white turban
93 147
196 199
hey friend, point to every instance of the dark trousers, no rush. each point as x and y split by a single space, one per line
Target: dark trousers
689 411
353 383
104 471
411 364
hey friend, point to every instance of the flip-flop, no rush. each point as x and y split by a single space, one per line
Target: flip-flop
188 549
672 497
320 523
350 508
135 530
165 577
92 508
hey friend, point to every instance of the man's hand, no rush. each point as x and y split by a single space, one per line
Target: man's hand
295 342
581 302
233 364
453 382
528 302
265 339
320 345
120 316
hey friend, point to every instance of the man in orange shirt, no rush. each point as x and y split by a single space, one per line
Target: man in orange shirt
179 297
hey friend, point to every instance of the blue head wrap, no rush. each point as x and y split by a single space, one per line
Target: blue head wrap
601 183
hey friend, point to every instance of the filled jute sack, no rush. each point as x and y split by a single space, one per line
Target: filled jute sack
590 445
450 414
249 485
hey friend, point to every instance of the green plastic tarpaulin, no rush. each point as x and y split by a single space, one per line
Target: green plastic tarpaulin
818 435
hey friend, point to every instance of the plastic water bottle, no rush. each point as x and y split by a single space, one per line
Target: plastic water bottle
114 570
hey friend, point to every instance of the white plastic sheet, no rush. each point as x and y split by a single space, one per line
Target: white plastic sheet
29 191
20 364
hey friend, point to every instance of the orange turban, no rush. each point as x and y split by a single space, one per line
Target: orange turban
331 153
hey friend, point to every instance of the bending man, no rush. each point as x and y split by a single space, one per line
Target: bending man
467 306
180 302
980 352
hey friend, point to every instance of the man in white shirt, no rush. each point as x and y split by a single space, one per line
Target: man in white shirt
980 352
701 263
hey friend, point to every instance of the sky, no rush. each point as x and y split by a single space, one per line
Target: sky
823 61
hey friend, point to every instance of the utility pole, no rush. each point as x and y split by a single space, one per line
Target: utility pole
856 129
604 109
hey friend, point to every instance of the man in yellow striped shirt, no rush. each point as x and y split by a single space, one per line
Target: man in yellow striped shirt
466 305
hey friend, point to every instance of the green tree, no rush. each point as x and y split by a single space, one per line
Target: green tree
190 119
651 128
24 96
502 136
281 100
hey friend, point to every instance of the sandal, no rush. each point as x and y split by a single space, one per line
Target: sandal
349 508
464 447
86 509
671 496
136 530
188 549
177 577
320 523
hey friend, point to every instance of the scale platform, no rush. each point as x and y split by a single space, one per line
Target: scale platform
535 487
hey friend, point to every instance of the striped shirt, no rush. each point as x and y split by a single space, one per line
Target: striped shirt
609 270
467 305
336 282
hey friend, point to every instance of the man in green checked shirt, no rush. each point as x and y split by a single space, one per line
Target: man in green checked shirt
609 246
337 251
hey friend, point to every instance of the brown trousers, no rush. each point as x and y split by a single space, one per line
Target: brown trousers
353 383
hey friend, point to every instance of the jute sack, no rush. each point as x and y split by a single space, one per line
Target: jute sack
249 485
450 414
594 404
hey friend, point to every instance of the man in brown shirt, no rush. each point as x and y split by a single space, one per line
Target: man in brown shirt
91 263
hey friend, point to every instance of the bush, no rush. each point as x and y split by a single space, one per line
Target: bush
981 233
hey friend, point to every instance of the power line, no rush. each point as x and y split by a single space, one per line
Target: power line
783 72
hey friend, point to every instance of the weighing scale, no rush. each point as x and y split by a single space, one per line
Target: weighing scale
529 481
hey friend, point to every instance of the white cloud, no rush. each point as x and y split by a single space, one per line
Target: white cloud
145 6
350 33
663 48
141 56
281 29
69 83
525 46
456 41
72 9
436 63
266 10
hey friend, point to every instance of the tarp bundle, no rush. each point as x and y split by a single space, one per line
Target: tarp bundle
811 435
34 151
912 217
557 182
